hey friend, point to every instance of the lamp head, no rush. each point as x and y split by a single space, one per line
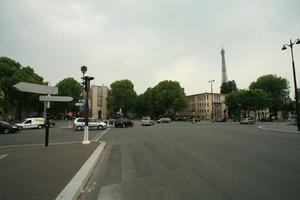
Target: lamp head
83 69
283 47
298 41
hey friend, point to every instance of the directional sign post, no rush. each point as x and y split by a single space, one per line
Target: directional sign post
43 89
36 88
49 99
56 98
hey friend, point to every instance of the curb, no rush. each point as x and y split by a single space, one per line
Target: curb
278 130
74 187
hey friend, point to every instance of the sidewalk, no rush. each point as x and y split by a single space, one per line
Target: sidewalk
40 173
279 127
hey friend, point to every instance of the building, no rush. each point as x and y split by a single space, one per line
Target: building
200 105
98 101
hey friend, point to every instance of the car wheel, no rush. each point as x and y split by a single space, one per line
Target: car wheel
40 126
78 128
6 131
100 127
20 128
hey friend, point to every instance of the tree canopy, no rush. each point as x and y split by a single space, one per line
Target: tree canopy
277 90
228 87
68 87
246 101
166 98
122 95
12 72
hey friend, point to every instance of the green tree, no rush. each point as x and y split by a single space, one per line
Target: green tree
228 87
68 87
11 72
169 98
246 101
122 95
276 88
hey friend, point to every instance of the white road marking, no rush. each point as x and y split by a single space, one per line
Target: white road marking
3 156
98 136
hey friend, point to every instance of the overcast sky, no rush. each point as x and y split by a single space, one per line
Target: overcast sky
147 41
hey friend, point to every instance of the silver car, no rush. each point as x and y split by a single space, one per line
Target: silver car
79 124
247 120
146 121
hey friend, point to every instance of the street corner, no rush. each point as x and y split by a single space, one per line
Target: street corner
41 172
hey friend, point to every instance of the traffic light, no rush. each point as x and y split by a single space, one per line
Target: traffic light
86 82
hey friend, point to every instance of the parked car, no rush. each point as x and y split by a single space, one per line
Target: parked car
194 119
123 123
146 121
266 119
36 122
247 120
6 127
164 120
51 122
79 124
291 121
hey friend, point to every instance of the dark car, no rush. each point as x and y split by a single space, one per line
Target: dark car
6 127
123 123
51 122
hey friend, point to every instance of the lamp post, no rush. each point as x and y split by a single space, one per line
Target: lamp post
212 99
86 83
291 44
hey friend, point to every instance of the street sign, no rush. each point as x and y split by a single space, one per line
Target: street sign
79 104
56 98
36 88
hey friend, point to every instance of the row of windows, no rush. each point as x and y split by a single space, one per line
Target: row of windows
217 97
199 105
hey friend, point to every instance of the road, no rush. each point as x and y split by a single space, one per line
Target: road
187 161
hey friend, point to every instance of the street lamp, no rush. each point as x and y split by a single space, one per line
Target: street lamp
212 99
86 84
291 44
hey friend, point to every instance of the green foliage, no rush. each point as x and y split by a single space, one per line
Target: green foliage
67 87
228 87
276 88
11 73
166 98
246 100
122 95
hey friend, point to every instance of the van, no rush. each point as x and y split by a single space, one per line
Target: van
37 122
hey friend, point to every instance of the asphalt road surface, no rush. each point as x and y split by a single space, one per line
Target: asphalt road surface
184 161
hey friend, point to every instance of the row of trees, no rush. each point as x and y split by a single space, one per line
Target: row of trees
166 98
27 104
268 91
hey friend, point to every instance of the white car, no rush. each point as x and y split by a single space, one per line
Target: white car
146 121
79 124
164 120
37 122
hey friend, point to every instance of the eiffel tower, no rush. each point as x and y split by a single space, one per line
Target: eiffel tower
224 73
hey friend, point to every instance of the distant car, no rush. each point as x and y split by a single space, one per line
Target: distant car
123 123
247 120
6 127
79 124
194 120
51 122
34 122
291 121
146 121
164 120
266 119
